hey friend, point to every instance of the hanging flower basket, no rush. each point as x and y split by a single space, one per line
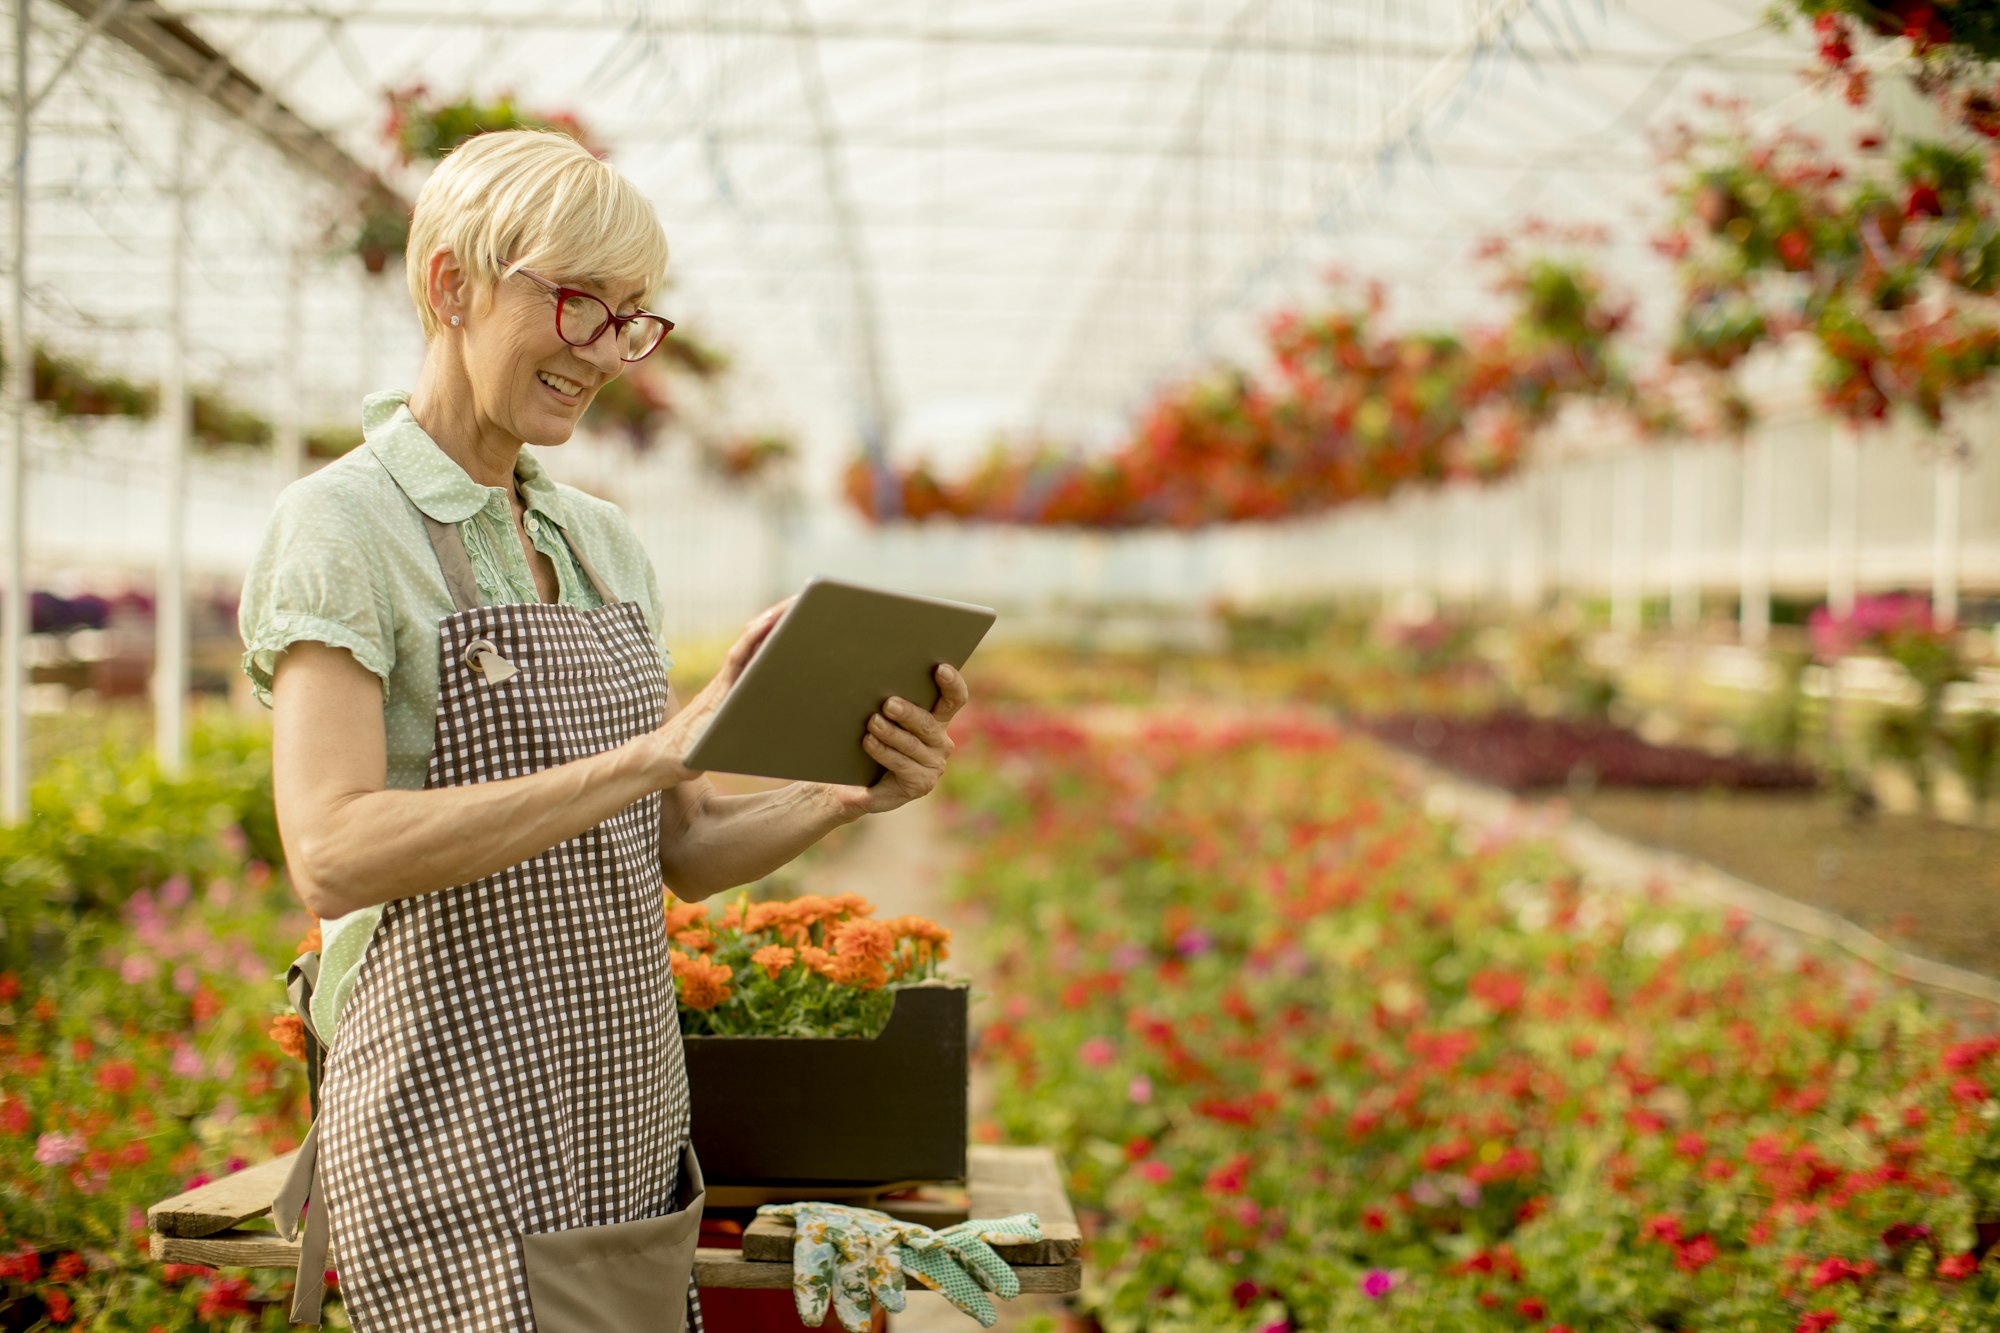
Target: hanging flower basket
424 128
70 388
751 457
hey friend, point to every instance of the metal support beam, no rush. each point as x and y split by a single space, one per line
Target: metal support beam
170 628
96 25
20 364
1754 613
1843 518
170 46
1945 527
1059 36
876 412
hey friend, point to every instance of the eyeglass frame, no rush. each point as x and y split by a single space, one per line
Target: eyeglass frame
611 317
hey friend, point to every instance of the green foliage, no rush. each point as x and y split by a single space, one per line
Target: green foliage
107 822
1778 724
140 970
1974 739
1549 669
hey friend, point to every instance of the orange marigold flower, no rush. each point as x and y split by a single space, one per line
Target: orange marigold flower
695 941
702 983
765 916
852 903
860 972
818 959
681 915
289 1031
860 938
774 958
310 944
919 928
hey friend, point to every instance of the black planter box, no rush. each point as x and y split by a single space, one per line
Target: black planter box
837 1111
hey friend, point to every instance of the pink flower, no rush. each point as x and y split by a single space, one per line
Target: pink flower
1140 1089
1817 1322
1098 1052
1377 1283
1155 1172
186 1062
58 1149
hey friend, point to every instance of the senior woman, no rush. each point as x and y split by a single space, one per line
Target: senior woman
480 788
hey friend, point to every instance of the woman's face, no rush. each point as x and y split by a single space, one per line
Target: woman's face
526 381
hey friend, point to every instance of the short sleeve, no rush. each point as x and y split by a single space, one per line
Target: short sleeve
314 577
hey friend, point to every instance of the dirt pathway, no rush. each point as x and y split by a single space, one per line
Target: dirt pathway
903 862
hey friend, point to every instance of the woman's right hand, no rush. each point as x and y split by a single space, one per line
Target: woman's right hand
685 723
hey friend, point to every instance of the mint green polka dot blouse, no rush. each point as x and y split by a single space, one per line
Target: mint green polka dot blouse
346 561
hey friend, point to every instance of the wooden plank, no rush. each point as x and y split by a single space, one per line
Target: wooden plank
221 1204
1026 1179
1004 1180
712 1267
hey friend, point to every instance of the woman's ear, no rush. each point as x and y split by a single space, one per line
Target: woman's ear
445 286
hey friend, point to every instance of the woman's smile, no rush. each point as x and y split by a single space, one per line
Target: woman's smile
567 391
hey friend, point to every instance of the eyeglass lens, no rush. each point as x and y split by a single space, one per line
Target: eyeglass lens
582 318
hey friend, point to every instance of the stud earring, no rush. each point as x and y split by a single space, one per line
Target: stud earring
455 321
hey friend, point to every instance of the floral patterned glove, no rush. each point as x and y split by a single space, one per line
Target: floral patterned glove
958 1262
847 1255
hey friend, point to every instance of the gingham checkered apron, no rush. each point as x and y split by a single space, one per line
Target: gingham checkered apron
509 1060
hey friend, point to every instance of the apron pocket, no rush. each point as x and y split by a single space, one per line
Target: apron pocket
618 1277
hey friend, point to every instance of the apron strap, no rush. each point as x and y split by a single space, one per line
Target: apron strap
301 980
455 563
457 566
301 1186
589 570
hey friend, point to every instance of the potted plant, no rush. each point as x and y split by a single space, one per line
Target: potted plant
824 1051
383 233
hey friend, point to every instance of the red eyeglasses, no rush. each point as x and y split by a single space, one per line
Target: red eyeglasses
581 320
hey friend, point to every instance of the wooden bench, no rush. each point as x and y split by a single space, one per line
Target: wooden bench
225 1223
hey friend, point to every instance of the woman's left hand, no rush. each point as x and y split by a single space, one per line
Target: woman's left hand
911 744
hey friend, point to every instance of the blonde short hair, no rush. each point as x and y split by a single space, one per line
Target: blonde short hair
533 199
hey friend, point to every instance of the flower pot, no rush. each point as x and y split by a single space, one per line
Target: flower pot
846 1113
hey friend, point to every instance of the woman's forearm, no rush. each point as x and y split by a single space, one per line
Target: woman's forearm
725 841
376 846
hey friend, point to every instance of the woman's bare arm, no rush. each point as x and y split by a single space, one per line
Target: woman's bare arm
352 842
709 842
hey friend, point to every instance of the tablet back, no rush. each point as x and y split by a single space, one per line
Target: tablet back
801 706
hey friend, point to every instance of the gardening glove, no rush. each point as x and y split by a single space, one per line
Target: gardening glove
959 1263
848 1255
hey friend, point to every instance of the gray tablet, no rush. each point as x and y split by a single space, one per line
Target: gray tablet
801 706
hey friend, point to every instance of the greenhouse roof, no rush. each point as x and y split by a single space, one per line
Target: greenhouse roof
943 219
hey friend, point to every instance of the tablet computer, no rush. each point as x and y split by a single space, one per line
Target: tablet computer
802 704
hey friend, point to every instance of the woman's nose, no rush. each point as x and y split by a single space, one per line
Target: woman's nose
603 354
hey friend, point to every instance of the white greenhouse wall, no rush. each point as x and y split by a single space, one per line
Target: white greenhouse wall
1638 522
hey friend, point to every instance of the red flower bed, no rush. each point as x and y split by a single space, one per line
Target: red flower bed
1315 1060
1522 752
